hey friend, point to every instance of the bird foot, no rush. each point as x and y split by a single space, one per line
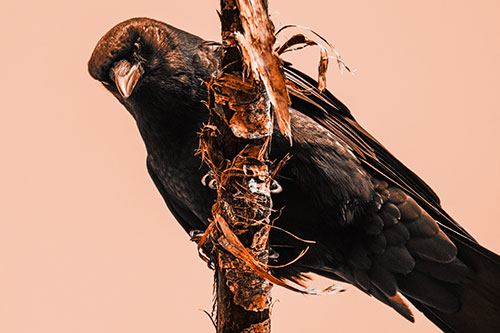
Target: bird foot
209 180
196 235
275 187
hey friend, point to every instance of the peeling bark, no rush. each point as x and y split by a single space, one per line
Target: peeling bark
246 94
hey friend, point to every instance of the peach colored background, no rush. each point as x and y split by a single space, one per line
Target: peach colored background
86 243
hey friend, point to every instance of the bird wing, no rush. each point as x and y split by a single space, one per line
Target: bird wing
427 256
331 113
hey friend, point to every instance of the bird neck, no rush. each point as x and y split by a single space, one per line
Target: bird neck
171 134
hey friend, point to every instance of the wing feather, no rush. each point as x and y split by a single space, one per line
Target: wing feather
331 113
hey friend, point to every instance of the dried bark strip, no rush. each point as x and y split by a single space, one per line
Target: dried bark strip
257 46
234 145
300 41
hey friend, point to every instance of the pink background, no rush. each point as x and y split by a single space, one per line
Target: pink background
86 243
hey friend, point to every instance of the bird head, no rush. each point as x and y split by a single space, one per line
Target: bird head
144 61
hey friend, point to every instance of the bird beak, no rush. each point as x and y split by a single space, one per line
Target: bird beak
126 76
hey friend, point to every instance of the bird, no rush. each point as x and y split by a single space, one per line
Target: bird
375 224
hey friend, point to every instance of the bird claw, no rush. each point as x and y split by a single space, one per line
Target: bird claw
273 255
275 187
195 235
209 180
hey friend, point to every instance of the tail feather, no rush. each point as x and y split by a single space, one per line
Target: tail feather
479 297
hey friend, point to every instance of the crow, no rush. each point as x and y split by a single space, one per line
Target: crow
376 224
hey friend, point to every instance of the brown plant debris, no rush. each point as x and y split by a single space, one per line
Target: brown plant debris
251 117
234 144
300 41
256 45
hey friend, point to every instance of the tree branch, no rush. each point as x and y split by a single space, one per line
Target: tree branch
235 145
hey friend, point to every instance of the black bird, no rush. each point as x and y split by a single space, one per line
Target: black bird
376 224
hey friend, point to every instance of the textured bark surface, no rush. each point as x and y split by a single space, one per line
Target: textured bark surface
234 144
